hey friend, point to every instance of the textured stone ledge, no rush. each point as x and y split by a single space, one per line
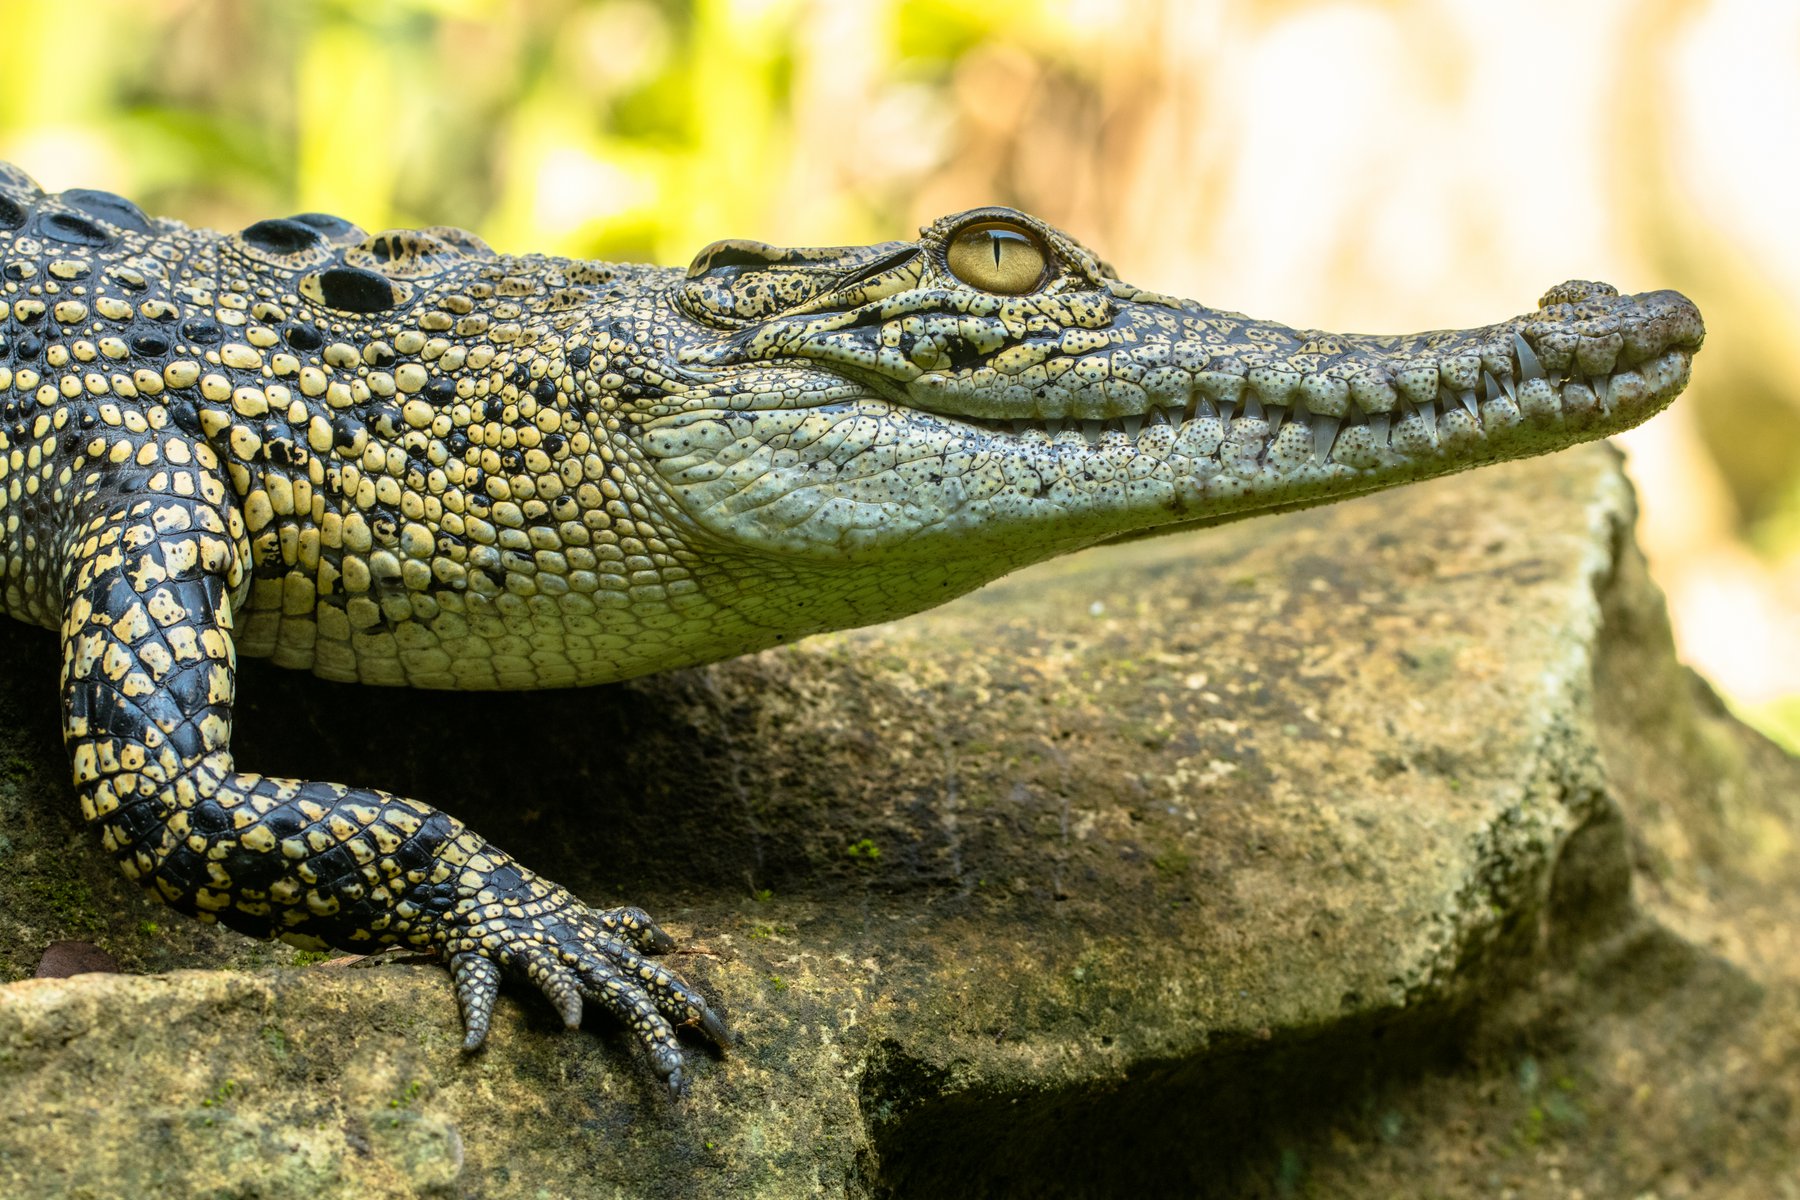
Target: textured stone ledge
1246 862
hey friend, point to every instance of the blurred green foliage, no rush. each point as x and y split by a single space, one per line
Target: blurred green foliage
609 128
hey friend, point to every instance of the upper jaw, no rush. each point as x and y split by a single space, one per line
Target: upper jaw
1120 361
1165 359
1087 349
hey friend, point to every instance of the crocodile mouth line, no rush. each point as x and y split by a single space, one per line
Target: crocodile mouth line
1529 396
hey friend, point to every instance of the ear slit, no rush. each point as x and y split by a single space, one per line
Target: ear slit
735 253
886 263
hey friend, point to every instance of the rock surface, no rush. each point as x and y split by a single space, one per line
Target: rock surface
1378 849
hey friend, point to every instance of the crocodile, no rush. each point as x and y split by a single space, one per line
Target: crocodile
405 459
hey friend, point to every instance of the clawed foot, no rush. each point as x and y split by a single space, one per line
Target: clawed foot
573 954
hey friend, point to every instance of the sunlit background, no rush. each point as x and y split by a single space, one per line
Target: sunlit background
1381 166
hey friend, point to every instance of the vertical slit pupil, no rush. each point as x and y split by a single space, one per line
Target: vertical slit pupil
999 239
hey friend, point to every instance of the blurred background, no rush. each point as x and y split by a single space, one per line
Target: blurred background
1382 165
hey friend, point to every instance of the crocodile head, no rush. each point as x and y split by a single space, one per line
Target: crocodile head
992 394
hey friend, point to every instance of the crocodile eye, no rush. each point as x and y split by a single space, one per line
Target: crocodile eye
997 256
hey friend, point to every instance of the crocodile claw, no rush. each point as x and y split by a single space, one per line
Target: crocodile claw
575 955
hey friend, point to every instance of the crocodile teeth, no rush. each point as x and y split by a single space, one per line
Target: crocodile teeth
1225 407
1091 430
1579 400
1493 386
1378 427
1529 366
1020 426
1253 409
1053 425
1428 414
1468 402
1324 431
1131 425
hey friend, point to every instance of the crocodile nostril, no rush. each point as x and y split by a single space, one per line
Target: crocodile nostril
1577 290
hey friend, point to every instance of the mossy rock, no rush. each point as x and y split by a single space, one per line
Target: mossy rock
1349 852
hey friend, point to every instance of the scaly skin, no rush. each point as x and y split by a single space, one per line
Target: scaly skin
404 459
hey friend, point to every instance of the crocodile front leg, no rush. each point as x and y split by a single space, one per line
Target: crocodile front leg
150 567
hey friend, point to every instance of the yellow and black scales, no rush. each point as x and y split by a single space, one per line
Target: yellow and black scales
404 459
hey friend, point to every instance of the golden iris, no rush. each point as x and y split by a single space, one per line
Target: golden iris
997 257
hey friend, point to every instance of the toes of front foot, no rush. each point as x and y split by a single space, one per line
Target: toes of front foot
477 980
651 1001
589 958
